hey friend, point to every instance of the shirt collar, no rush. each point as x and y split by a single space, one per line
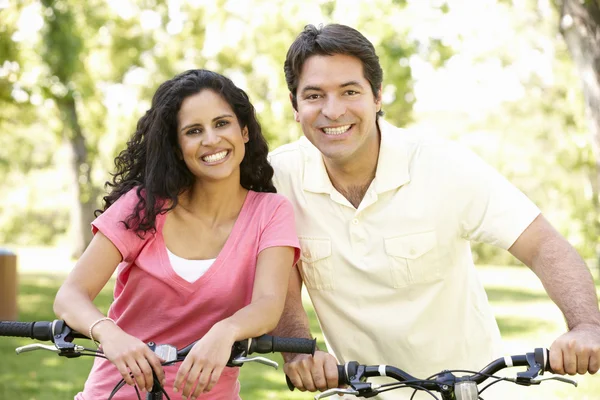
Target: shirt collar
392 165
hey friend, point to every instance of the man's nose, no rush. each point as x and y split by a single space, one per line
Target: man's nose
333 109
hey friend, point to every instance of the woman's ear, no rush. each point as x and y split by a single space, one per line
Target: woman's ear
245 134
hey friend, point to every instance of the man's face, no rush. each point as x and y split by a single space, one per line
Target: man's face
337 109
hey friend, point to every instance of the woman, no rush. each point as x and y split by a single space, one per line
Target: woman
202 245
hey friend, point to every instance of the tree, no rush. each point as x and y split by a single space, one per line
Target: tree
580 28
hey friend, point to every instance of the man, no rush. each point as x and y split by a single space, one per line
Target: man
385 219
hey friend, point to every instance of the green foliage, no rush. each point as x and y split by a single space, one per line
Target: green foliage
108 60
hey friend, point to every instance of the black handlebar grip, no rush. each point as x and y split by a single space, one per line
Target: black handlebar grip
272 344
294 345
290 385
342 378
41 330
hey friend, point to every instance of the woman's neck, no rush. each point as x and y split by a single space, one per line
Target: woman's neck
215 203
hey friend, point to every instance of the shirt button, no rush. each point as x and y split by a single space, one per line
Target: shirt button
306 253
355 221
413 251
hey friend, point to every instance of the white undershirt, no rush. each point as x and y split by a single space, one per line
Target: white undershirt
190 270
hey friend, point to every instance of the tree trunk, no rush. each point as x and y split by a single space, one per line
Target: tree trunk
82 208
580 27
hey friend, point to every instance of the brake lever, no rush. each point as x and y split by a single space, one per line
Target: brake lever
556 378
260 360
331 392
36 346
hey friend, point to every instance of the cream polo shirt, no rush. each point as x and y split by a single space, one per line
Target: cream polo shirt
393 282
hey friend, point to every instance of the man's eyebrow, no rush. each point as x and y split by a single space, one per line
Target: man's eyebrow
311 88
318 89
213 120
351 83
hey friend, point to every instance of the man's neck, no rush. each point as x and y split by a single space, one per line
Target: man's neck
352 178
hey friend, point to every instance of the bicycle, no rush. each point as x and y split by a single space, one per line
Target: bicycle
62 336
450 386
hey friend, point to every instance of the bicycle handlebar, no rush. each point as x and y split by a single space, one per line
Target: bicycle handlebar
355 376
62 336
48 331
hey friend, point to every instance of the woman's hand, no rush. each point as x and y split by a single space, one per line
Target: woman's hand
129 354
205 362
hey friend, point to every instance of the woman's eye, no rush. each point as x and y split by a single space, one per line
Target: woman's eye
194 131
221 123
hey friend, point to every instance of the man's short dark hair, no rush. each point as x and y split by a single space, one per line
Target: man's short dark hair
329 40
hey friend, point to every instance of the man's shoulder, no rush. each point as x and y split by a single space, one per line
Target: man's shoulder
415 140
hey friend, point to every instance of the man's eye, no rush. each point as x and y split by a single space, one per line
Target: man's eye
312 97
351 92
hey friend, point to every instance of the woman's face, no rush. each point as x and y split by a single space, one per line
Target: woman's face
210 137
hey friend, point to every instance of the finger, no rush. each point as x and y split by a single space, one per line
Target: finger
583 362
124 371
294 376
146 370
203 379
214 378
191 379
138 375
155 364
556 360
318 376
594 362
181 374
305 366
570 359
331 375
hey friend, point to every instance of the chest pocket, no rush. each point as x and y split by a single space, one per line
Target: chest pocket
316 266
413 259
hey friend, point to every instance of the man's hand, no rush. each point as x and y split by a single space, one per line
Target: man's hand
577 351
312 373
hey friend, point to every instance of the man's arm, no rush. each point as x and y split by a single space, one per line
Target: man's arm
569 284
318 372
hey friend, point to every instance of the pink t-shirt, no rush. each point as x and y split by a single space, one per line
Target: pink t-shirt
153 303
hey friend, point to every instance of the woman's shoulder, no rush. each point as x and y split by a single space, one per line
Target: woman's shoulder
268 199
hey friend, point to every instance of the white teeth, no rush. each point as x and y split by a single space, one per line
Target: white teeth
336 131
215 157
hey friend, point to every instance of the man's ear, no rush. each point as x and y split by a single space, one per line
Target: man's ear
378 102
245 134
296 118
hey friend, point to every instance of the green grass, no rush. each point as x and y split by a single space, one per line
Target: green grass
526 317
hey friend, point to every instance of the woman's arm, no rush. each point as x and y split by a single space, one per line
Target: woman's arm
74 300
207 359
273 269
74 304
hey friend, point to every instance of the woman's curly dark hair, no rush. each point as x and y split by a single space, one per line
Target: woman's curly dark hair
151 162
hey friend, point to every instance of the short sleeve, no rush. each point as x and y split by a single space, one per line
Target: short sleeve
110 223
492 210
280 229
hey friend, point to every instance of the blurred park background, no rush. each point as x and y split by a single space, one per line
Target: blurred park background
517 81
